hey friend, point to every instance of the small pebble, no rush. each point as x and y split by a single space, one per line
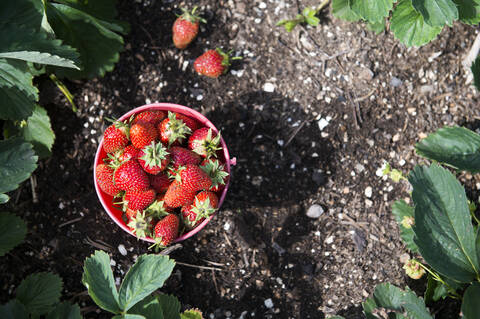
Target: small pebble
368 192
268 87
268 303
322 124
262 5
395 82
122 250
315 211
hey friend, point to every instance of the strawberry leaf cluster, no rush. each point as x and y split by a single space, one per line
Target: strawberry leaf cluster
136 297
413 22
39 295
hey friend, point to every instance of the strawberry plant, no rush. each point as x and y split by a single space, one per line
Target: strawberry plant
39 295
137 297
413 22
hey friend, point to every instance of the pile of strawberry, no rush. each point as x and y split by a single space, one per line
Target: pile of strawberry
163 171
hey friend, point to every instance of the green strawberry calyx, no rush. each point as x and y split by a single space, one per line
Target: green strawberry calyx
154 154
178 129
226 58
209 145
140 225
191 16
157 209
202 209
215 171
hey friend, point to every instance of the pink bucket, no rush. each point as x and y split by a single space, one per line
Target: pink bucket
106 200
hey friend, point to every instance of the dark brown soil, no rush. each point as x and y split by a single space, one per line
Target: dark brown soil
378 98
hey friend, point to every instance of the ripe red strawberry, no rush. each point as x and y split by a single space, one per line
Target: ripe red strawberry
154 158
153 117
217 173
173 130
204 142
185 28
141 225
126 154
139 200
207 200
176 196
130 176
190 218
193 178
142 134
159 182
166 230
182 156
130 213
115 137
191 123
213 63
104 176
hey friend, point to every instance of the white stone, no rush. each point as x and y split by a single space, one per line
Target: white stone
262 5
329 240
315 211
268 303
268 87
122 250
322 123
368 192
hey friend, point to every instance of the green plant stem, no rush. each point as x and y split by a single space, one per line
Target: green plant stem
438 278
475 218
322 5
64 90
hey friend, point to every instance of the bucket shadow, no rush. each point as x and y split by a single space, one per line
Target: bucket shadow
281 156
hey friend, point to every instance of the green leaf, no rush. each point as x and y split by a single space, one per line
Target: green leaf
65 310
470 304
98 45
23 12
409 27
443 228
37 131
16 90
310 16
39 292
197 314
435 290
372 10
98 278
393 298
12 232
468 11
33 45
149 307
170 306
377 27
476 72
17 162
402 211
144 277
436 13
455 146
341 10
13 310
4 198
